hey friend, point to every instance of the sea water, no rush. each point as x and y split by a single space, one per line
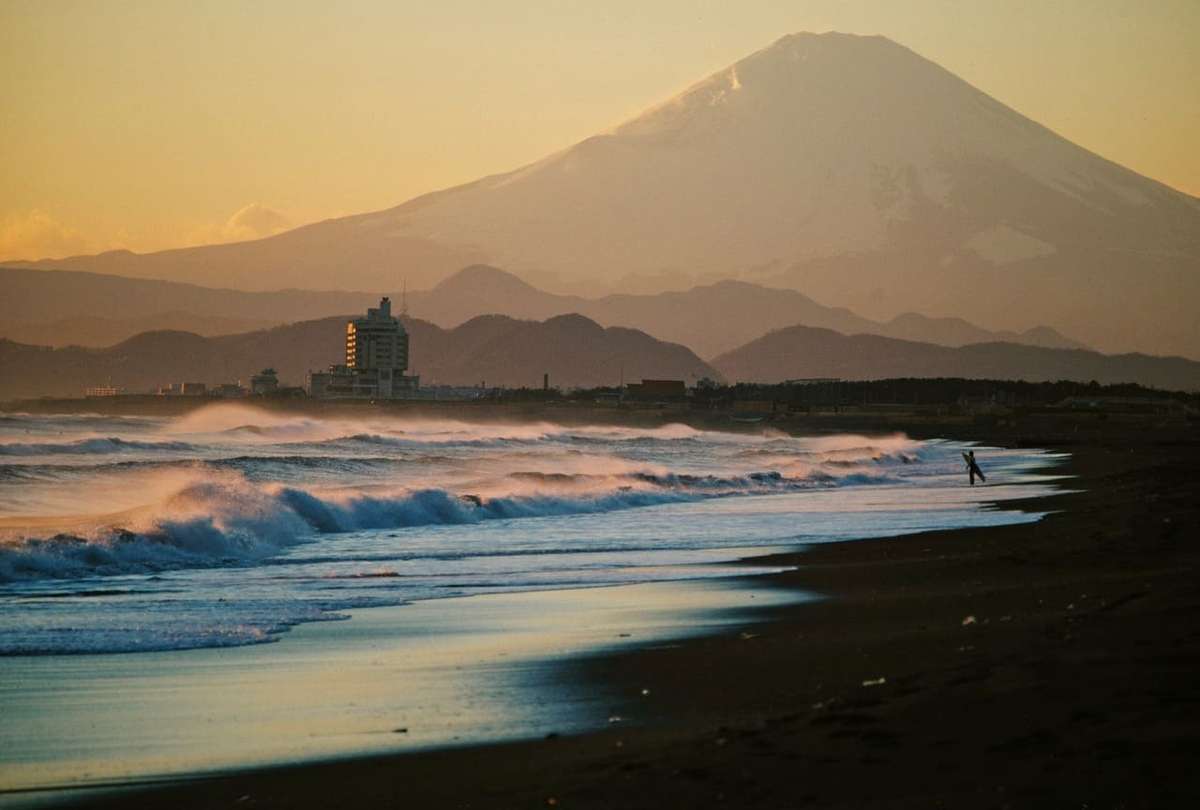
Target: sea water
230 526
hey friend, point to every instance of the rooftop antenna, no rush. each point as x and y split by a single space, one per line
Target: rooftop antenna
404 299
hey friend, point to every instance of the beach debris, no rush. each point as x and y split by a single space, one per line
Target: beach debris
553 735
969 620
245 798
616 718
401 730
875 682
645 692
551 802
747 636
624 635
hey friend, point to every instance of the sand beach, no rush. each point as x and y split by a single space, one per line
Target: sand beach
1045 664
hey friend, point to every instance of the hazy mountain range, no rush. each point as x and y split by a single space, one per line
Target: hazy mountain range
492 349
846 167
708 319
57 309
800 351
575 351
97 331
34 297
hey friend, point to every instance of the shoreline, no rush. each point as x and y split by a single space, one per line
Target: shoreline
1066 685
503 650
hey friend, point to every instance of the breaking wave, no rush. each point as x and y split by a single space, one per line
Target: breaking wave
230 521
230 524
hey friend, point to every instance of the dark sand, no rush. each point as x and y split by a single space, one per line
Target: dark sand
1075 685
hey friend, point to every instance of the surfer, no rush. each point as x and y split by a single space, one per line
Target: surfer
973 468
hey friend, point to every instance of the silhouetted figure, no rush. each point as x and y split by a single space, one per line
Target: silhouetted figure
973 468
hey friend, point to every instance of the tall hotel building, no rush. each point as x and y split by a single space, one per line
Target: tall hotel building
376 361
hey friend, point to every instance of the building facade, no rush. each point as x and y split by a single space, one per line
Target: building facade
377 341
376 361
264 382
183 389
657 390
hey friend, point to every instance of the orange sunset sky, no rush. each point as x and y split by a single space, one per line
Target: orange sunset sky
149 125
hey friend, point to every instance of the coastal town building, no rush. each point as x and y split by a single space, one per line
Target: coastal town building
376 361
183 389
228 390
657 390
264 382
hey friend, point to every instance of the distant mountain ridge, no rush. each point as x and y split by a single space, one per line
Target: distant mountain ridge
575 351
847 167
803 352
33 296
709 319
96 331
495 350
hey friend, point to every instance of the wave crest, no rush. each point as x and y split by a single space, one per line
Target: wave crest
93 446
227 520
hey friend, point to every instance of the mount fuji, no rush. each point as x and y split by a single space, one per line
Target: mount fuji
847 167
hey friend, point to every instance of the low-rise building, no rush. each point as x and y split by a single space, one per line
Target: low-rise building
228 390
183 389
264 382
657 390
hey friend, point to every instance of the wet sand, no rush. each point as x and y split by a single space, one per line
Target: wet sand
480 668
1043 665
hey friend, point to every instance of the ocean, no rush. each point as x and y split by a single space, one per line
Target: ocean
127 542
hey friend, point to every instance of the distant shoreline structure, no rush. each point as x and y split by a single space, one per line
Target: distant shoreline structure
887 405
376 361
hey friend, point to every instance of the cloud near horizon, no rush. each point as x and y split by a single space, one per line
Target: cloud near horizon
253 221
37 235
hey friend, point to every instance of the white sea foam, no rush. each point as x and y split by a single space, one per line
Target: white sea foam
223 519
232 524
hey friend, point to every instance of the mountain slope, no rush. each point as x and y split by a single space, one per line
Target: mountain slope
576 351
802 352
99 331
709 319
845 166
37 296
495 349
957 332
485 290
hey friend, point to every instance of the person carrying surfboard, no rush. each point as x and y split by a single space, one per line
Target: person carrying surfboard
973 468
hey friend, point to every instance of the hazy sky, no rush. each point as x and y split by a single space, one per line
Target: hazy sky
159 124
